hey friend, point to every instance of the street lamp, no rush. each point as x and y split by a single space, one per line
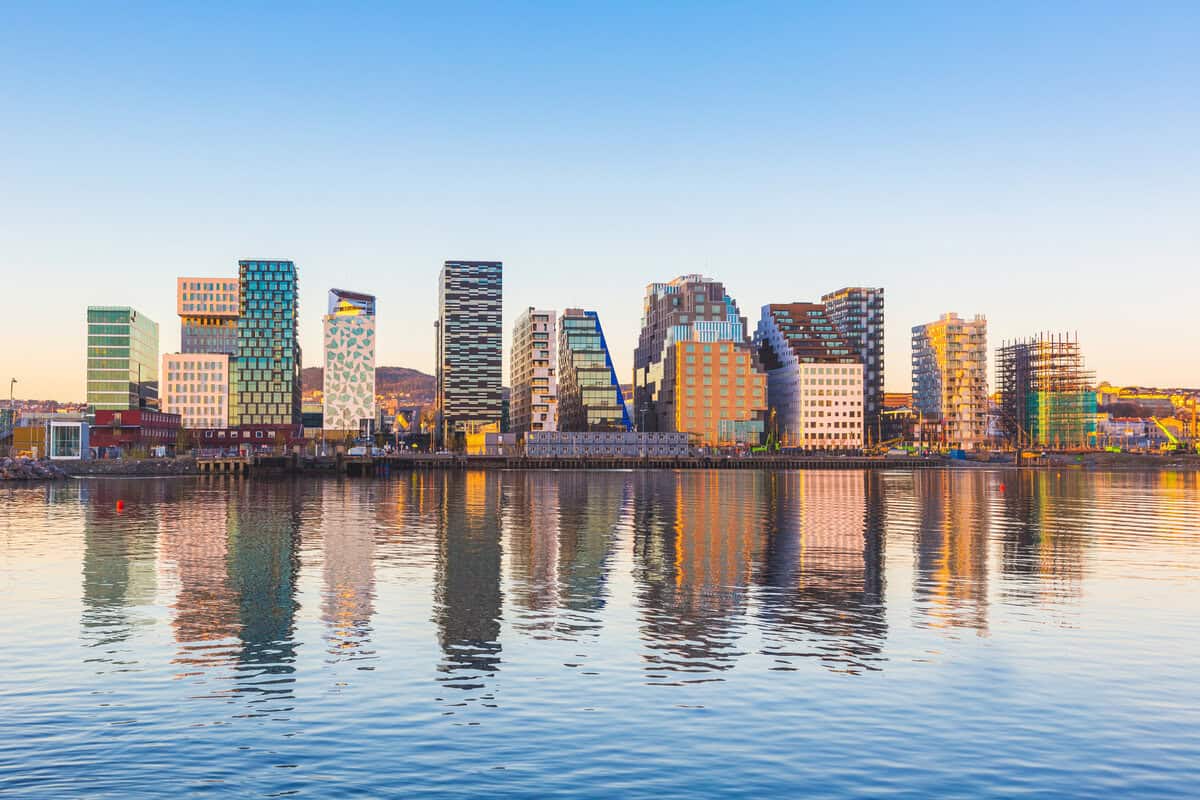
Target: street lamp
11 403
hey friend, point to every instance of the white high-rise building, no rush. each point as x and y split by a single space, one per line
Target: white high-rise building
534 399
349 381
949 376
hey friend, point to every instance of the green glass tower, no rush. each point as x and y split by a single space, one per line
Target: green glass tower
122 359
267 365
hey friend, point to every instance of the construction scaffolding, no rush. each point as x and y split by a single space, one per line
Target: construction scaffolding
1047 396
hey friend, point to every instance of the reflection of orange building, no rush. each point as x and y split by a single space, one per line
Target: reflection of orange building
952 543
699 535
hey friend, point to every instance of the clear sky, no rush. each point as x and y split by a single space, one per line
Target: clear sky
1035 162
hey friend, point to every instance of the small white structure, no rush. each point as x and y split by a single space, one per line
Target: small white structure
67 439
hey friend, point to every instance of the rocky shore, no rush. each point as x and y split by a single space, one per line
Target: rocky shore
28 469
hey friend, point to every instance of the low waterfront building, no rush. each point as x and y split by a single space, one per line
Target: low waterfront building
122 359
624 444
949 378
814 378
196 387
348 392
533 401
590 397
251 438
68 438
131 430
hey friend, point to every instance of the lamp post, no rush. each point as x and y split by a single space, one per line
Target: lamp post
11 403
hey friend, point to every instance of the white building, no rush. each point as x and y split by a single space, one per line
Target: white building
814 378
534 399
349 380
949 377
196 387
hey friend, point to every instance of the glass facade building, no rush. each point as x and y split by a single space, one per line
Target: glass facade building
589 393
122 359
349 377
266 371
470 350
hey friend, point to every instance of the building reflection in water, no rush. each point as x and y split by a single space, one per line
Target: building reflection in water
206 612
531 542
348 567
593 510
468 598
264 546
697 535
1043 539
951 579
822 573
119 561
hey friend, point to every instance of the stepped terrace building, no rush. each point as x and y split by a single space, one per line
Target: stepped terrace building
695 370
267 365
814 378
533 404
349 377
590 397
949 377
122 359
208 312
857 313
469 349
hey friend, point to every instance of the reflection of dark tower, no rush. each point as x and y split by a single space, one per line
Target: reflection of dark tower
822 573
468 597
120 551
592 506
1043 540
264 543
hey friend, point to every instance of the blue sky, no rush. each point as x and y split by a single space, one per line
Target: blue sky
1037 163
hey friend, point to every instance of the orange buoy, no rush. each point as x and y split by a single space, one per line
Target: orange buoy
120 505
1002 487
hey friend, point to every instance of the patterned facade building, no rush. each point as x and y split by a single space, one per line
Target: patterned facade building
949 377
469 348
196 387
208 312
694 367
857 312
349 377
122 359
532 367
267 365
814 378
590 397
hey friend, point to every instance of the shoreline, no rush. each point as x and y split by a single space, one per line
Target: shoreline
42 472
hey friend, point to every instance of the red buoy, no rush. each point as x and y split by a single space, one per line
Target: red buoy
120 505
1002 487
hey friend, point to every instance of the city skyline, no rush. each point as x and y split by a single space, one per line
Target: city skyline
952 157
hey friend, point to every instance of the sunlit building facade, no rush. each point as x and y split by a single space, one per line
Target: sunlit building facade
532 368
469 349
695 370
349 376
590 397
208 312
949 378
196 387
267 365
814 378
857 312
122 359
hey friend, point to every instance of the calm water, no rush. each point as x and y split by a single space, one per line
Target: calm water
603 634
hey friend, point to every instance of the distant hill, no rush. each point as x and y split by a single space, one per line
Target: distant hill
411 386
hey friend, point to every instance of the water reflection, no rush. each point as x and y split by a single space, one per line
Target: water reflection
468 599
823 572
951 580
348 569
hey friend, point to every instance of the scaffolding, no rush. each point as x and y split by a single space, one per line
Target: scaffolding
1047 396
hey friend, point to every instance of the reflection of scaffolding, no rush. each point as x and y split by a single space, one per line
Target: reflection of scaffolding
1047 397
